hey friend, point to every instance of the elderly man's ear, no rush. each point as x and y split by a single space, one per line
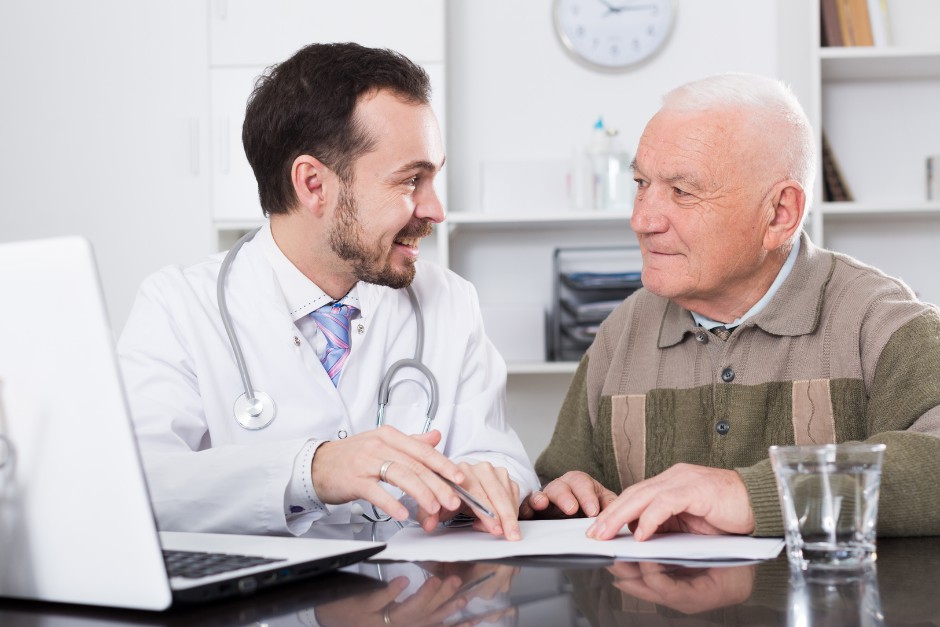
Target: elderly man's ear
788 203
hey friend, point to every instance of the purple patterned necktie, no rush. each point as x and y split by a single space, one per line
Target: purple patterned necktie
333 321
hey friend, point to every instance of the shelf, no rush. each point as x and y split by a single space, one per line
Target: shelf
862 63
542 367
455 218
236 225
843 210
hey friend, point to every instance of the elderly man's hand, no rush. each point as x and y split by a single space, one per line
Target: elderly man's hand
566 496
685 498
688 590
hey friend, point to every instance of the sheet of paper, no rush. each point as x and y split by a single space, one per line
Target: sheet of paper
566 537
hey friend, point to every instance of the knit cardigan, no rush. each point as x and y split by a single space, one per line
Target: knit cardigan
841 353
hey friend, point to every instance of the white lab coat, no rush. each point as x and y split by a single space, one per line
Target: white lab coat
207 473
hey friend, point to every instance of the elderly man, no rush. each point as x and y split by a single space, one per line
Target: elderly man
745 335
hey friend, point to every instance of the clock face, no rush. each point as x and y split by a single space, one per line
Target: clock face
613 34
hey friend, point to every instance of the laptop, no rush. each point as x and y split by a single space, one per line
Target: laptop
76 524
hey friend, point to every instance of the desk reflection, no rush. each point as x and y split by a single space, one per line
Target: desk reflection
834 599
549 592
446 594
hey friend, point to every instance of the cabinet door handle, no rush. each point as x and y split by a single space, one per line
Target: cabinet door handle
194 146
225 161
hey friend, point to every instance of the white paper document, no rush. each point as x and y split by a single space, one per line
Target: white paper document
566 537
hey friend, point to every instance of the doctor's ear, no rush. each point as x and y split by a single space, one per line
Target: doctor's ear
309 178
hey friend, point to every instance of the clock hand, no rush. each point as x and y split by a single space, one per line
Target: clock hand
638 7
610 8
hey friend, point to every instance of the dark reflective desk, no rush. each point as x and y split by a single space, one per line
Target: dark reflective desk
903 589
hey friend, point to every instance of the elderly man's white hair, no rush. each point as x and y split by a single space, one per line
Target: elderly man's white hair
771 101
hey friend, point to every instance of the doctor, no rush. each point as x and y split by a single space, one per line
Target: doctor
345 148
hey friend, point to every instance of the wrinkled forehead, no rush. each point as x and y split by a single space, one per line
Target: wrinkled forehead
694 132
716 143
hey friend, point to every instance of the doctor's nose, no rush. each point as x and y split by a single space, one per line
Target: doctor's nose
429 206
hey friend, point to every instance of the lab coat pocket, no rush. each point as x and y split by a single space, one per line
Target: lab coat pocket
409 401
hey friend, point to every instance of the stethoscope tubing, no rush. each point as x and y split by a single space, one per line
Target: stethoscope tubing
255 410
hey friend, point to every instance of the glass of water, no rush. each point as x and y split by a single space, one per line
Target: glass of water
829 500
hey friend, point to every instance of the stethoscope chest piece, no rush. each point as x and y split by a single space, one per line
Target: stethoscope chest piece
254 414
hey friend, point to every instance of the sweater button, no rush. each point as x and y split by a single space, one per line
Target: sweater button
723 427
701 337
727 375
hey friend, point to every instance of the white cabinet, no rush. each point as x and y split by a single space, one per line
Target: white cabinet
103 127
246 36
248 32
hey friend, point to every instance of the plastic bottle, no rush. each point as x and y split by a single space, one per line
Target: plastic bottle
611 184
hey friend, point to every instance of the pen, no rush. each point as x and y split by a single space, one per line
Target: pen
466 497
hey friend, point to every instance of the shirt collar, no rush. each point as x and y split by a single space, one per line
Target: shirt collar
300 293
794 310
782 275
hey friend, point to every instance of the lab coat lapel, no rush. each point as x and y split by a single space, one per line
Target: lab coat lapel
289 363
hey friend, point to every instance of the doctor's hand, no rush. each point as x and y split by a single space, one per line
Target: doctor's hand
685 498
493 487
351 468
575 493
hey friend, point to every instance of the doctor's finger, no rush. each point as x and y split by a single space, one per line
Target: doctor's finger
373 492
428 521
502 494
421 449
428 490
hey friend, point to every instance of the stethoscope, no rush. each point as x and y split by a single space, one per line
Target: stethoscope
255 409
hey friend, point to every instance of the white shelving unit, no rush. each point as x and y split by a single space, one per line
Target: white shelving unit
508 258
879 109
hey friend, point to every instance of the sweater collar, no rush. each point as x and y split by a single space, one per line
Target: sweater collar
794 310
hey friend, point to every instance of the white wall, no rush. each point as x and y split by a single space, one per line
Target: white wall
513 94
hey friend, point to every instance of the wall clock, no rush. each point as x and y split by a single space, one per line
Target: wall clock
613 35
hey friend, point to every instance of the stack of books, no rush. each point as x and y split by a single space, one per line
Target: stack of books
835 189
854 23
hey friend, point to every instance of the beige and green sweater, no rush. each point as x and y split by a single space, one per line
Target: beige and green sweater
842 352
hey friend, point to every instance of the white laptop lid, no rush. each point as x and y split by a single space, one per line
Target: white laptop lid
61 405
76 524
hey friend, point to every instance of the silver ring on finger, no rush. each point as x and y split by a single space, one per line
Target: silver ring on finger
384 470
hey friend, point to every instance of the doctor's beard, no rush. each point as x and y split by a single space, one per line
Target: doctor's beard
371 264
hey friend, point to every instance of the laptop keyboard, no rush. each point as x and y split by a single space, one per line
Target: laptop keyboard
194 564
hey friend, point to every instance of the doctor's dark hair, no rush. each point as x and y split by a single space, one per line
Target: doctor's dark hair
306 106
